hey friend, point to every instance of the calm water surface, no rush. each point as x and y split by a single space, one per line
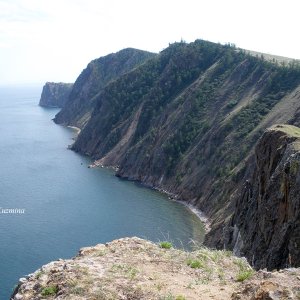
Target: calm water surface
67 206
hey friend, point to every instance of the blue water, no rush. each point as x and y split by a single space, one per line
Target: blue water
67 206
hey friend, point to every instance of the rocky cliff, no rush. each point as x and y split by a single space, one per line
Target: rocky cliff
266 224
55 94
186 121
93 79
132 268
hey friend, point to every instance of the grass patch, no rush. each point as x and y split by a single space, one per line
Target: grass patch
103 294
195 263
49 290
241 263
221 276
159 286
39 274
167 297
243 275
132 273
245 271
208 254
165 245
78 290
101 253
126 270
288 129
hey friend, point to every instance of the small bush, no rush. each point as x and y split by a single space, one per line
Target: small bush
49 291
232 103
243 275
195 263
165 245
180 297
38 274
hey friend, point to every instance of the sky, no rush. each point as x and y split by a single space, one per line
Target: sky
53 40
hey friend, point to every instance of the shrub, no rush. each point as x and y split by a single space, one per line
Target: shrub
49 291
165 245
244 274
195 263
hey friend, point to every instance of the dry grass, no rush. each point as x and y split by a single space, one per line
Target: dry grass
133 268
288 129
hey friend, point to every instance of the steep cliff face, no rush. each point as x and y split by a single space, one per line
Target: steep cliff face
55 94
186 121
93 79
266 222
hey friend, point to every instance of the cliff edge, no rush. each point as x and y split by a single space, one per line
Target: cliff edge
266 224
55 94
132 268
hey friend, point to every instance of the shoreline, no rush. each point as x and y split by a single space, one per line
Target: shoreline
199 213
171 196
76 129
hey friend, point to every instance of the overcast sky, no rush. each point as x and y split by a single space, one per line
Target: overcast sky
53 40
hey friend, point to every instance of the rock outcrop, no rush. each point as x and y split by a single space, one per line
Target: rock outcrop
265 226
55 94
132 268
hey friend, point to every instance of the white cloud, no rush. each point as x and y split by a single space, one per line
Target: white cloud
53 40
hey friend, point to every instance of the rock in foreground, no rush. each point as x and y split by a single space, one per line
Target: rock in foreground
132 268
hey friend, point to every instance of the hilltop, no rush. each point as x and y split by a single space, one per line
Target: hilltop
132 268
98 73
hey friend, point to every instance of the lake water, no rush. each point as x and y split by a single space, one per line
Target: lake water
67 206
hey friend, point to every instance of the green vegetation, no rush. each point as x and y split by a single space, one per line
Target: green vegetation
158 85
195 263
49 291
243 275
165 245
245 271
232 104
126 270
98 74
197 109
167 297
289 129
172 297
39 274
